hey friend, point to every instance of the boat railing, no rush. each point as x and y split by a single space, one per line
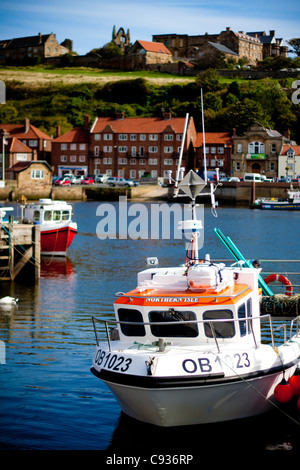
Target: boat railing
292 275
295 323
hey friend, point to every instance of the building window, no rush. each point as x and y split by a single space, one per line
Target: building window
179 137
122 136
142 136
21 157
96 151
108 136
122 161
132 174
168 149
213 150
272 166
63 146
33 143
239 148
153 149
73 158
82 158
168 161
220 150
152 161
73 146
273 148
132 161
107 149
132 136
63 158
82 146
97 136
256 147
153 137
122 149
37 174
107 161
238 166
133 151
142 161
153 173
168 137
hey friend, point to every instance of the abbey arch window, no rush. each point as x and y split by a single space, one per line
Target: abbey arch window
256 147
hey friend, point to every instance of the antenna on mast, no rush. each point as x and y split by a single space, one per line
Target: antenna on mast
180 156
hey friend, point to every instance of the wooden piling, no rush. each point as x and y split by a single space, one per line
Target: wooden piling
19 251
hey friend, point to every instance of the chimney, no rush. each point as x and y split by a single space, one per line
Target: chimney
40 38
167 116
287 134
272 32
228 28
234 131
86 125
58 130
26 125
120 116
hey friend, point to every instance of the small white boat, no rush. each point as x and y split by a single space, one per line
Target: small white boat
186 348
292 202
57 226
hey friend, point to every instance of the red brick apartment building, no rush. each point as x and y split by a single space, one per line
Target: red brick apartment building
218 148
129 147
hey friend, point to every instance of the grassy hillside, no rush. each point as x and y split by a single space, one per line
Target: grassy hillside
50 96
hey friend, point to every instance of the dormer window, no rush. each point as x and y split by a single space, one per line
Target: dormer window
290 153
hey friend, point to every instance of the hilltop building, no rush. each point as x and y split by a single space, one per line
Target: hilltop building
26 49
251 46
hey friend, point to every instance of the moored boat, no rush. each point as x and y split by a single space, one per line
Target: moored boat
57 227
291 203
185 345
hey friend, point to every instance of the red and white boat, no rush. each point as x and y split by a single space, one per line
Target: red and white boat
57 226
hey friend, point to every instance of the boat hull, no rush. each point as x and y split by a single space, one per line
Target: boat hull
187 403
280 206
56 241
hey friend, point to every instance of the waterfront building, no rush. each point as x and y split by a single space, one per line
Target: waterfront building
256 151
218 148
289 161
23 143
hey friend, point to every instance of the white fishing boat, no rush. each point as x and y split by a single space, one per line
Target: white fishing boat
186 344
57 227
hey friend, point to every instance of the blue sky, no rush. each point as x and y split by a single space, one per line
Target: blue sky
89 23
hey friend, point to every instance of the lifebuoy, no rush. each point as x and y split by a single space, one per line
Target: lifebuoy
284 280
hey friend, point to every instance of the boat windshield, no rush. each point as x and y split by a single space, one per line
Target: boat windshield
57 215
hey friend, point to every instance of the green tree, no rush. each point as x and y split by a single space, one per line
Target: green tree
208 81
295 43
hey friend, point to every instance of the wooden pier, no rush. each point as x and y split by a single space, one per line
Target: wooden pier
19 251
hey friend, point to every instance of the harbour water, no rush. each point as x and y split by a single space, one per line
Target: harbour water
49 398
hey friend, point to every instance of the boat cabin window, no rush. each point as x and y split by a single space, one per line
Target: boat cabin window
47 215
224 329
243 311
179 329
56 215
36 216
65 215
132 316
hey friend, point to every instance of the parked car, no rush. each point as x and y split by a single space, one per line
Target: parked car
87 180
101 178
62 182
295 180
77 179
119 181
231 178
135 183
